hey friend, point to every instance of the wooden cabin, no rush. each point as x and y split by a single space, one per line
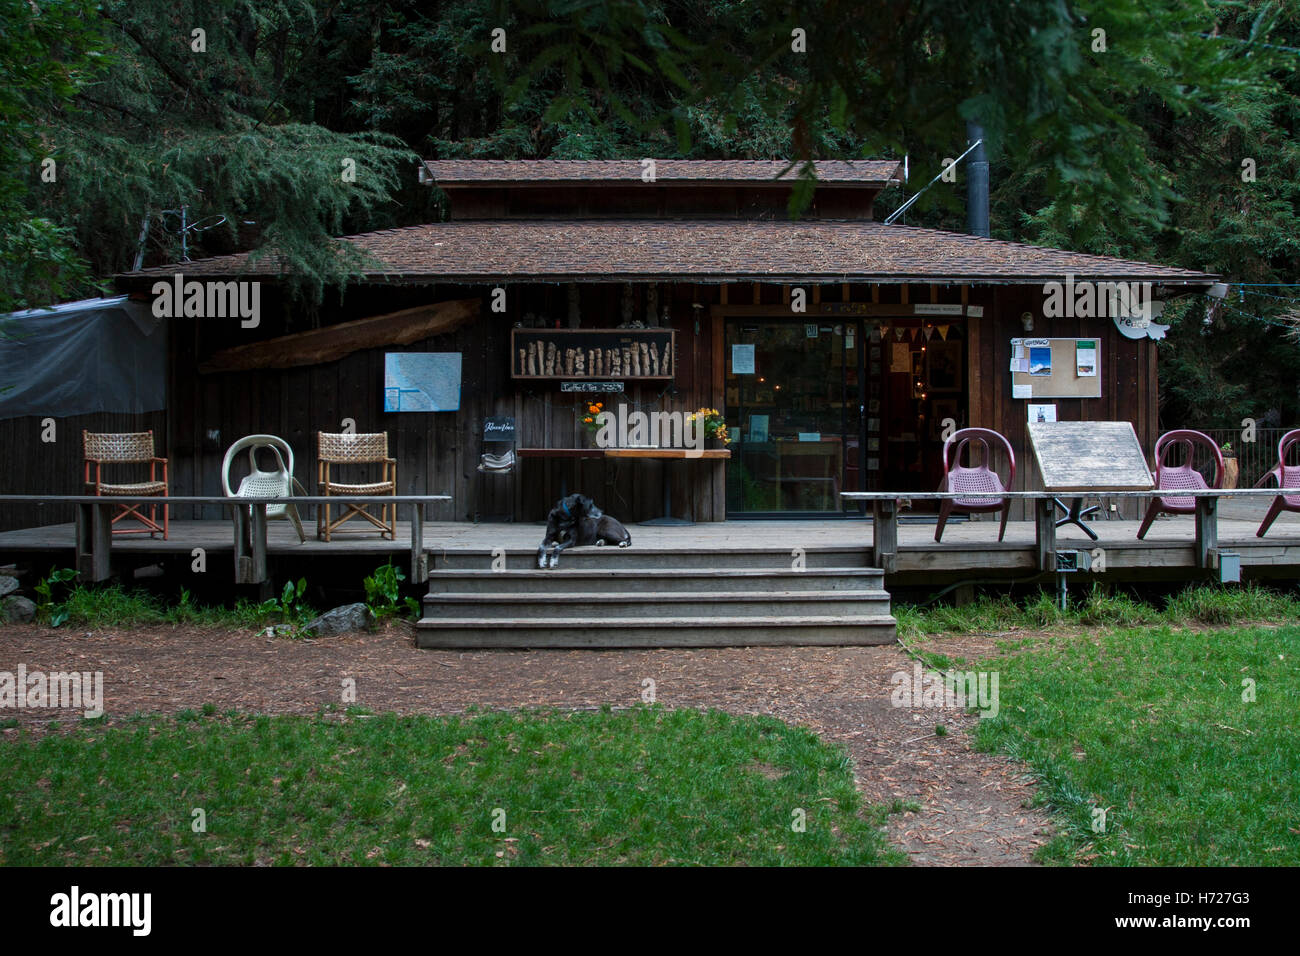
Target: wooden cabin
837 347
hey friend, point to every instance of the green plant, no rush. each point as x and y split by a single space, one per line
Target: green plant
384 591
185 611
45 607
290 607
715 425
588 415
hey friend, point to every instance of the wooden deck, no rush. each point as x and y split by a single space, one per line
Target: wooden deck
970 549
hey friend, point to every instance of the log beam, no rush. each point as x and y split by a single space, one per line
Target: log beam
317 346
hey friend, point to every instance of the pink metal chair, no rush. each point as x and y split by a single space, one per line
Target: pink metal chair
1287 476
1181 477
958 477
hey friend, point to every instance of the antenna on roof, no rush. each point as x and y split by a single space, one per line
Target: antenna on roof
908 205
188 227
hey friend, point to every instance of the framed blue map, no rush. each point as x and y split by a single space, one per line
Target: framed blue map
421 381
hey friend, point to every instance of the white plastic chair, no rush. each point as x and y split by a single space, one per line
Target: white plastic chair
266 484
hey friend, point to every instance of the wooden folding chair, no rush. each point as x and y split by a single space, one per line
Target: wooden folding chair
333 450
124 448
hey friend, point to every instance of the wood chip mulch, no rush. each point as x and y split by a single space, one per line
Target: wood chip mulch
974 806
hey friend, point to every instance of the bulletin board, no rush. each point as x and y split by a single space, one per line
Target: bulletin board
1064 379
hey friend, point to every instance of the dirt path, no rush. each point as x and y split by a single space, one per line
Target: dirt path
973 806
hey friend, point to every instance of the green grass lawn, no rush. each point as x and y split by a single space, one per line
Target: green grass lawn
1149 724
647 786
1195 604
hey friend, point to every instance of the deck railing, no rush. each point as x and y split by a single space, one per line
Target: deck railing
1255 459
248 520
248 516
885 507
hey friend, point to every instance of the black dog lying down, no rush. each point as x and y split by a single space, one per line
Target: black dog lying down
576 522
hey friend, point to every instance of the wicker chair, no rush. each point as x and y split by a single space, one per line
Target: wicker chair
266 484
957 477
134 448
1181 478
1287 476
355 449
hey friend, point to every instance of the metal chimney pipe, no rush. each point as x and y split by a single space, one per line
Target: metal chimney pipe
977 183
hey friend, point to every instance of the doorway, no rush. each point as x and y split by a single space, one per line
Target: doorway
820 405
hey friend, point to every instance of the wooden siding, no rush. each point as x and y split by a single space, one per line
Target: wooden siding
35 467
1129 381
598 201
437 453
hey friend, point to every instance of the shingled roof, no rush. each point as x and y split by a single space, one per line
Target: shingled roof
876 173
482 251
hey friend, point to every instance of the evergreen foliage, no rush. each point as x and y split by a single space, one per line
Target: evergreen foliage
1117 127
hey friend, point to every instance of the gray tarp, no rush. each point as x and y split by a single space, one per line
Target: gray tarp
98 355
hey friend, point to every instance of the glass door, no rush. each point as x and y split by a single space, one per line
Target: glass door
794 406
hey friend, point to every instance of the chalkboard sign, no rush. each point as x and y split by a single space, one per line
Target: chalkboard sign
499 429
1089 456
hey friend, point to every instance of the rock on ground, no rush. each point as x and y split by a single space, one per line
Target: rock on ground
17 610
342 620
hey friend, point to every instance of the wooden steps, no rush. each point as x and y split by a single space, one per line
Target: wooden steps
728 555
618 598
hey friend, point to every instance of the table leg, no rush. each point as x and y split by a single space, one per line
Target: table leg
1075 514
884 534
1045 533
667 519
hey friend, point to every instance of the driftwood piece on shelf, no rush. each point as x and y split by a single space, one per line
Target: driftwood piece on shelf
532 358
523 361
333 342
568 361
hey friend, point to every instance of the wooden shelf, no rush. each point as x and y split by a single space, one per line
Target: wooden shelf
596 354
595 378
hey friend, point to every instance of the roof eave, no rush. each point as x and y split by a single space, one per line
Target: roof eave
129 281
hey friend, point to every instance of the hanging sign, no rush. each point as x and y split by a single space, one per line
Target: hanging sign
591 386
742 359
